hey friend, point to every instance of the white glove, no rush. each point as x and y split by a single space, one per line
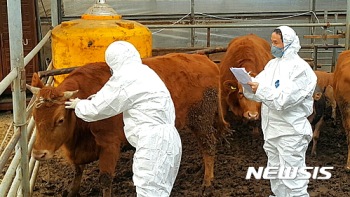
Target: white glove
72 103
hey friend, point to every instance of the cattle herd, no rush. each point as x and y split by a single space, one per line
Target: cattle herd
203 94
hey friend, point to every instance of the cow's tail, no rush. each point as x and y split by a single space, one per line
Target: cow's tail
223 127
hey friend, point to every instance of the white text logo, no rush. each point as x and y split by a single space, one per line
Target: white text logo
289 173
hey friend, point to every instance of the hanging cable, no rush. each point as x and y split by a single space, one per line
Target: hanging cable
173 23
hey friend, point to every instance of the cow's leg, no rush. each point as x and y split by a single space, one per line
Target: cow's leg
207 146
108 158
346 124
255 130
201 121
209 169
223 106
347 167
345 111
255 137
316 136
223 125
334 112
329 94
75 185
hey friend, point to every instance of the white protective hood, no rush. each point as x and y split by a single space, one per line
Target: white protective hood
121 53
289 37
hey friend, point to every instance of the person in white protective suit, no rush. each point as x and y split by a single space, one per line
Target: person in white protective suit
285 88
149 118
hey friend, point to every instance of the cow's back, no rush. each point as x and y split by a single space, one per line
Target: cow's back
186 76
324 79
88 79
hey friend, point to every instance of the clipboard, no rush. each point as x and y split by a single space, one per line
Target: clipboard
242 76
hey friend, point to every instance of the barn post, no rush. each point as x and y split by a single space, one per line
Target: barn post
192 23
312 18
18 86
335 42
347 32
54 13
312 30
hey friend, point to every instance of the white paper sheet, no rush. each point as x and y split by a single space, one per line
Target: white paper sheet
242 76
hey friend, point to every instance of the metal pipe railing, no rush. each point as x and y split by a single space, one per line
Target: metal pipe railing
33 178
17 181
14 186
8 178
7 80
9 148
246 25
14 18
145 18
10 173
6 136
15 190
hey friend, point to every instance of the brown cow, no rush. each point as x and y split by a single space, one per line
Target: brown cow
82 142
193 81
341 86
325 81
252 53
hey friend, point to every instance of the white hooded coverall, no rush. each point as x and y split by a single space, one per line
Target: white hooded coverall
149 118
285 89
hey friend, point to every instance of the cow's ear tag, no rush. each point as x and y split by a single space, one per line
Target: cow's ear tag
233 88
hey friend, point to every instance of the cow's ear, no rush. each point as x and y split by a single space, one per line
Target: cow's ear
317 96
231 85
36 82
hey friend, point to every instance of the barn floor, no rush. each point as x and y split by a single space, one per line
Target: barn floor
230 168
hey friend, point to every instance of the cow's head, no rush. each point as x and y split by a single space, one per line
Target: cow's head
238 103
54 123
